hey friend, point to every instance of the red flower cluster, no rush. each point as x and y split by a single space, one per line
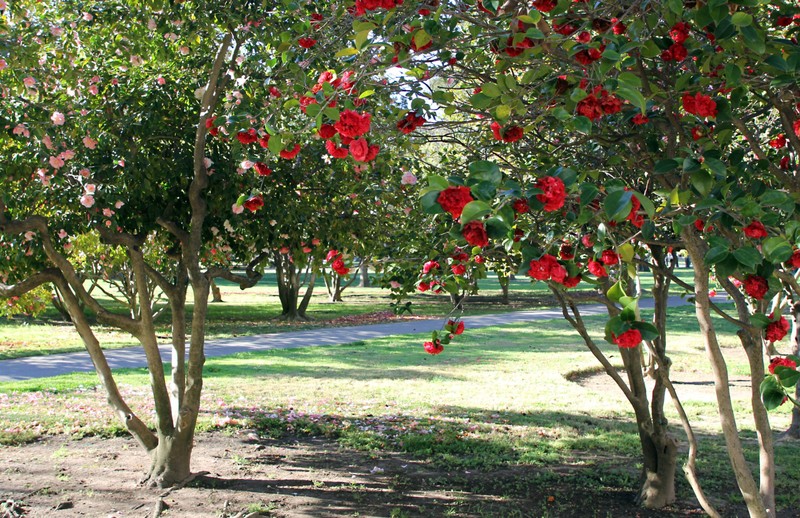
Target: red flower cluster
430 265
554 192
640 119
781 361
410 122
778 142
756 286
598 103
262 169
776 330
794 260
629 339
475 234
521 206
307 43
510 134
547 267
636 219
679 32
545 6
352 124
289 154
454 327
433 347
253 203
335 151
362 151
609 257
675 52
247 137
454 199
362 6
588 56
755 230
700 105
327 131
597 269
337 265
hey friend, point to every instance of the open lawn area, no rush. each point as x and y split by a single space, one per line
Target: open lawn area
508 421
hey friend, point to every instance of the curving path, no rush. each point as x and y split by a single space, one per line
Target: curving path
133 357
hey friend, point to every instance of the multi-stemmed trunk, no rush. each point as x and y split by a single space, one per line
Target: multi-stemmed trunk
293 306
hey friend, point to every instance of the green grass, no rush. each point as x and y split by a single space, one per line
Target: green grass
496 397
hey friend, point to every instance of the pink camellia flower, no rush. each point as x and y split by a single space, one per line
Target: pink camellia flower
58 118
94 90
88 17
184 50
430 265
21 130
56 162
84 173
237 209
48 142
56 31
408 178
67 155
315 241
395 284
62 234
87 200
108 212
29 82
119 204
136 61
89 142
3 64
160 80
246 164
90 188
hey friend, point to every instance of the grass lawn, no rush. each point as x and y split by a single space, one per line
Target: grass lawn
500 397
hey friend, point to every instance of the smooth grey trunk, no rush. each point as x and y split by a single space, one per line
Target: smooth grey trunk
504 281
363 270
696 248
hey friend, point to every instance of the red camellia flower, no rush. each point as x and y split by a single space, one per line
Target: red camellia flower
679 32
755 230
547 267
247 137
609 257
778 142
458 328
289 154
458 269
587 241
520 206
334 151
597 269
331 255
423 286
794 260
636 219
353 124
756 286
571 282
700 105
339 267
545 6
274 92
475 234
640 119
454 199
410 122
775 331
618 28
264 141
433 347
262 169
783 362
430 265
566 252
327 131
554 193
359 149
307 43
676 52
629 339
510 134
253 203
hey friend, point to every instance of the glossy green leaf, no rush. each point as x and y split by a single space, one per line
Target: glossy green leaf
475 210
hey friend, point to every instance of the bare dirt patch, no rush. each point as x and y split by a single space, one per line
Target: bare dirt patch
294 477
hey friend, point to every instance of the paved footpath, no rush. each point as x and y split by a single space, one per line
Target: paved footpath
133 357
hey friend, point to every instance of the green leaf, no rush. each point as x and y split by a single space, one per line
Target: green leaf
275 143
475 210
759 320
349 51
630 80
626 252
582 124
490 90
439 182
429 203
502 112
618 205
702 182
772 394
648 331
715 166
741 19
754 39
422 38
588 193
647 205
485 171
666 165
776 249
787 375
634 96
615 292
716 255
748 257
578 94
480 101
496 228
361 38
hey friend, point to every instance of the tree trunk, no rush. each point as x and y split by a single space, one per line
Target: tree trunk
215 292
170 461
504 281
288 288
658 470
363 269
301 310
696 249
